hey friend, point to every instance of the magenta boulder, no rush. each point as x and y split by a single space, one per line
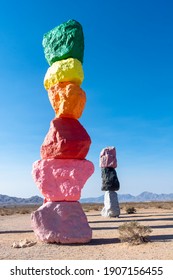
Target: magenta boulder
108 157
61 222
61 179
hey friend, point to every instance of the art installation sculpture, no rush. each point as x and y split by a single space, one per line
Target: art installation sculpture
63 169
110 182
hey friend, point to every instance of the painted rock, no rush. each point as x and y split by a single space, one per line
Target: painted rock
109 179
108 157
61 222
65 139
67 70
111 206
61 179
67 99
64 41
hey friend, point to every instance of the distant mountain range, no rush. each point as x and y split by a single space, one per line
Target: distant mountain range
11 200
143 197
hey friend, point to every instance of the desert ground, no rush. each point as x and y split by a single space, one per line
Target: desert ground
105 243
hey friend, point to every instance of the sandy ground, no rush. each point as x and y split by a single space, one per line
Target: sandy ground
105 244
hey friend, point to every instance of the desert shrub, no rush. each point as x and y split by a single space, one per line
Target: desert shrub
131 210
134 233
92 206
163 205
160 206
5 212
17 209
24 211
96 208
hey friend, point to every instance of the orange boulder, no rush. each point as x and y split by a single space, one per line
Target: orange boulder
67 99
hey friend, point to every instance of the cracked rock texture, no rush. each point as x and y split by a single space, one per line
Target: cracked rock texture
65 139
67 70
61 179
64 41
61 222
111 206
108 157
67 99
110 180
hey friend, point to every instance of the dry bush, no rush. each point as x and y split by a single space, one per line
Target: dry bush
92 206
131 210
134 233
136 205
6 212
164 205
17 209
26 209
167 205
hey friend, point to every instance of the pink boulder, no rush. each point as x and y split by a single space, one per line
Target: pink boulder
66 139
61 222
61 179
108 157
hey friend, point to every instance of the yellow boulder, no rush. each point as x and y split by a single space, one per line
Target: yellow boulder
67 70
67 99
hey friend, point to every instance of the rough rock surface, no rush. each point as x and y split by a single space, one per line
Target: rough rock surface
65 139
67 99
61 179
111 206
110 180
23 243
61 222
67 70
64 41
108 157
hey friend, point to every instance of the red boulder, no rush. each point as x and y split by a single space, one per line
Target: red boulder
65 139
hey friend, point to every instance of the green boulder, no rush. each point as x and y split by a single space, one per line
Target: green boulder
64 41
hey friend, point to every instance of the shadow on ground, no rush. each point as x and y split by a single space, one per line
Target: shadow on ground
15 231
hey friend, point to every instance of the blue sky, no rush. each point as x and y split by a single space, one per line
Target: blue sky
128 68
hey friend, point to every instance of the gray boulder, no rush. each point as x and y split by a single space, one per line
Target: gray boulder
111 206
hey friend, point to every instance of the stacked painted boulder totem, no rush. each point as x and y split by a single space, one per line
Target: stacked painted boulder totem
63 169
110 183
